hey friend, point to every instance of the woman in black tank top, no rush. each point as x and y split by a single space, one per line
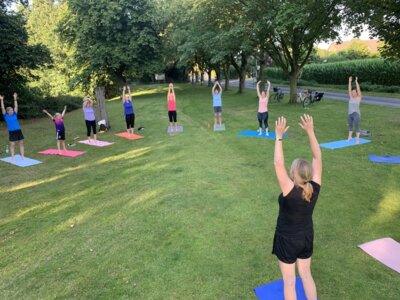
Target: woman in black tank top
294 235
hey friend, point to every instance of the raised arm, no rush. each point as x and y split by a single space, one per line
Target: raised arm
213 88
47 113
63 113
268 88
349 88
358 88
306 122
15 95
3 110
220 88
123 94
130 94
258 89
284 180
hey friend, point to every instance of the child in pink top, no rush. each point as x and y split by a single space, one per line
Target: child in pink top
172 108
58 120
262 115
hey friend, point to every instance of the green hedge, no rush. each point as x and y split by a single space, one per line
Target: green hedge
373 71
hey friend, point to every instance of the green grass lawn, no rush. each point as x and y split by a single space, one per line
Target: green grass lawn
192 215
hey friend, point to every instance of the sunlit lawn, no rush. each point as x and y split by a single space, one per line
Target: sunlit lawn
192 215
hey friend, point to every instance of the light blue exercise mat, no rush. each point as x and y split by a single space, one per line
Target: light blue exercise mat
384 159
274 291
21 162
343 143
271 135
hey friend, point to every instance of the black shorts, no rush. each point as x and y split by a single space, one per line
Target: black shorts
60 135
217 109
15 135
130 121
172 115
289 248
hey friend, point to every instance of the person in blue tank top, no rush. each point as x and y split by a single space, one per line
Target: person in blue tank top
14 130
294 233
217 103
128 110
354 114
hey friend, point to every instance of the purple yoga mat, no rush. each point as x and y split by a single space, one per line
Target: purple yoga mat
385 250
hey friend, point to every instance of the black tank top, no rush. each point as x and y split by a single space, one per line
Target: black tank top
295 214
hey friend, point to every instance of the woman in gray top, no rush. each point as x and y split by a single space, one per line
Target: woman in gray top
354 110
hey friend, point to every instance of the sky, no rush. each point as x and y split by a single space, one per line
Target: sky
344 37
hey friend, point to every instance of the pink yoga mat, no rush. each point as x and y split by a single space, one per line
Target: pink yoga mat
385 250
130 136
96 144
63 153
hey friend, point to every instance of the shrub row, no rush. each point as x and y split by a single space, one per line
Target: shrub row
373 71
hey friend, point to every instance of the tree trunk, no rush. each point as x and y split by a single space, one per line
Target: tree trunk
261 75
197 76
293 87
226 75
201 77
209 77
241 71
218 73
193 76
101 109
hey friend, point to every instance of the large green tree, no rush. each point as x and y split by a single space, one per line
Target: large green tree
114 41
17 58
288 30
383 20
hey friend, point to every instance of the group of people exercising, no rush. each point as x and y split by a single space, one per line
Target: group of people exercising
294 234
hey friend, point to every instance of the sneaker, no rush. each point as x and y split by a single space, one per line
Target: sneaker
259 131
266 131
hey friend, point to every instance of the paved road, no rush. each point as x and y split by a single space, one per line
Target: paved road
383 101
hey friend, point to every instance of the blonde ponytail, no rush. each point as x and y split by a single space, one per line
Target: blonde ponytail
307 191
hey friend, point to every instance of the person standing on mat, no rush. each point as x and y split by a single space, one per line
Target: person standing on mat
262 114
171 100
354 110
14 130
217 103
90 118
294 234
128 111
58 120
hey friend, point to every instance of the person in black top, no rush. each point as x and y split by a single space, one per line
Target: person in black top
294 234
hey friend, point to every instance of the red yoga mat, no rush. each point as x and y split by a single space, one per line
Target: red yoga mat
130 136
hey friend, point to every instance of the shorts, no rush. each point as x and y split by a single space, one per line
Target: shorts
289 248
15 135
130 121
60 136
217 109
172 115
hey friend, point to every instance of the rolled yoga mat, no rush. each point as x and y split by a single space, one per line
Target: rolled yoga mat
384 159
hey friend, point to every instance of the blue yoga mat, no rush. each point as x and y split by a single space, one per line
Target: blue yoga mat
21 162
271 135
343 143
274 291
384 159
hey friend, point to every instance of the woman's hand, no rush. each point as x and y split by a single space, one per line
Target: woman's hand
280 127
306 122
350 79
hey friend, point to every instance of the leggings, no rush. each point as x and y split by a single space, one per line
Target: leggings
130 121
90 125
263 117
354 121
172 115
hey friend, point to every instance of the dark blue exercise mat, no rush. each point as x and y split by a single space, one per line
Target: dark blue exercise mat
274 291
343 143
384 159
21 162
271 135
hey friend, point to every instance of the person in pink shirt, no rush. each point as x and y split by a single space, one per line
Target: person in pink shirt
262 115
172 108
58 120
